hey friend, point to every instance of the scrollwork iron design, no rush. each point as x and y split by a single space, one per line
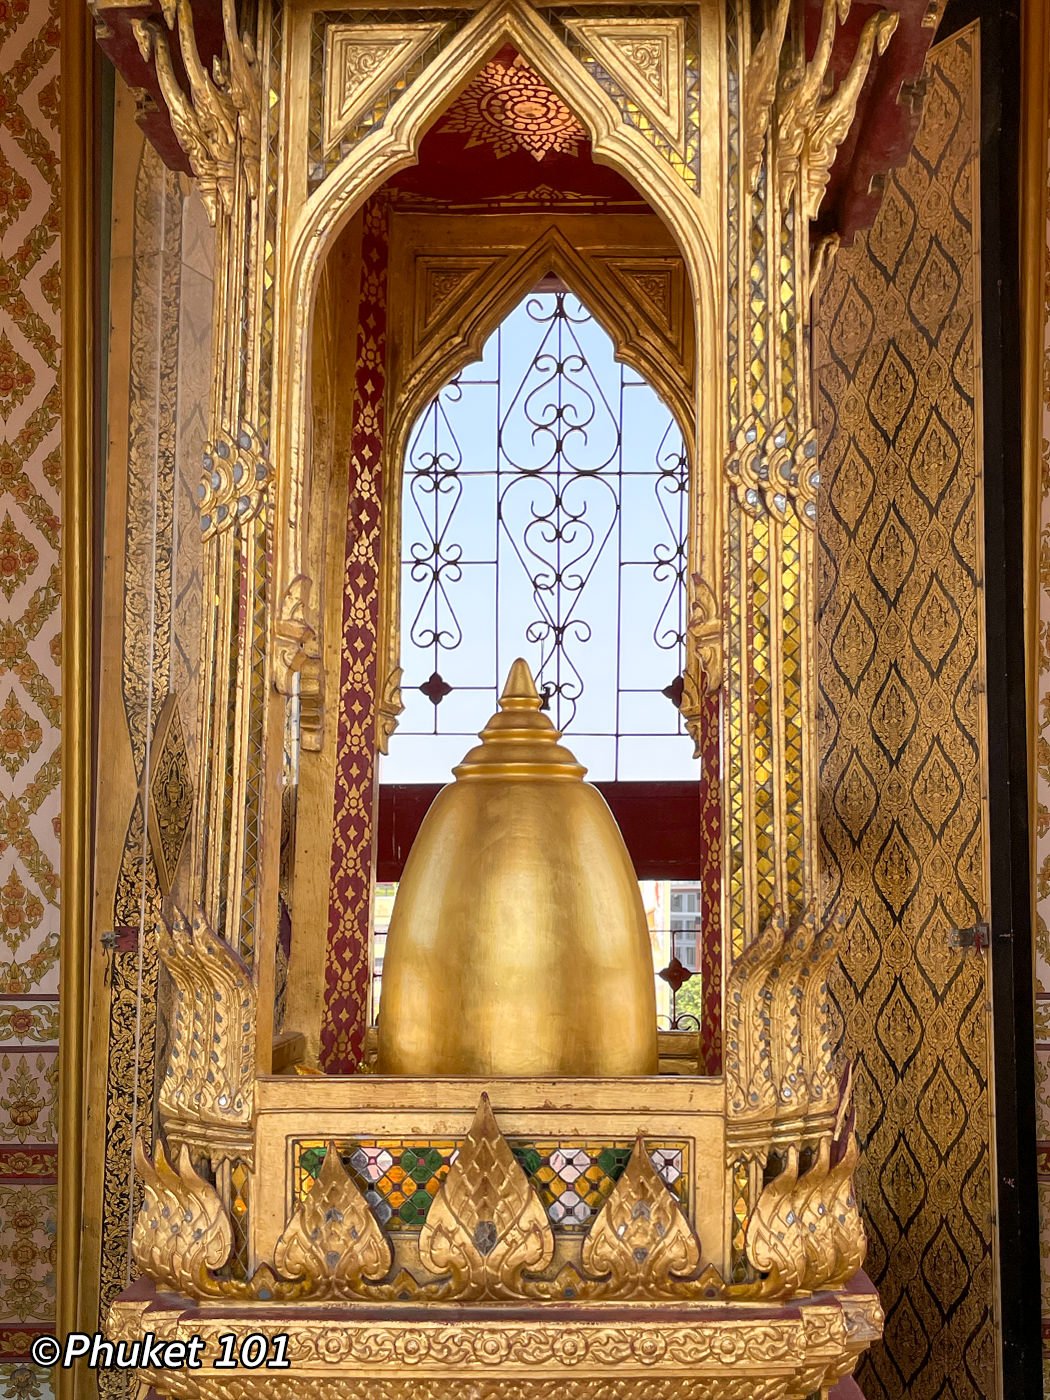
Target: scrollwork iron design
550 477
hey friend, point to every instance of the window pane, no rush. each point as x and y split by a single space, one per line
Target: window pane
544 510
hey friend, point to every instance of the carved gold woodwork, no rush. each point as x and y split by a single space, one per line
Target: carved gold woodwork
182 1232
333 1240
220 113
206 1095
486 1226
752 1257
359 59
646 56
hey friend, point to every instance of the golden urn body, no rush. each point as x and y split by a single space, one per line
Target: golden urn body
518 943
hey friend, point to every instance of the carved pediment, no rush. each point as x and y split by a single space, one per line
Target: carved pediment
360 60
646 57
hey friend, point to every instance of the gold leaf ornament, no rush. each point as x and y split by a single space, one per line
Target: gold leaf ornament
640 1240
487 1225
333 1240
182 1231
775 1244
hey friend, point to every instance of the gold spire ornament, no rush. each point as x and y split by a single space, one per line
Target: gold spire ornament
518 943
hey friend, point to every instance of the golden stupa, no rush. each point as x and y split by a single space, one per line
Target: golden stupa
518 943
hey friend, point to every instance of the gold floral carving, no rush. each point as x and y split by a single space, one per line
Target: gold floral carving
486 1225
647 58
640 1240
207 1092
234 481
705 637
333 1239
360 63
315 1387
219 109
181 1231
508 107
296 650
439 277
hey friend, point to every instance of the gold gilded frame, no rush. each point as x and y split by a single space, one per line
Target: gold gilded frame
523 248
314 222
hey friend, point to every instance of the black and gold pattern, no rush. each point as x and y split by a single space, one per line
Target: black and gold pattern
160 811
902 776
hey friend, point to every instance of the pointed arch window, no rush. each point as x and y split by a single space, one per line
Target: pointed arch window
545 513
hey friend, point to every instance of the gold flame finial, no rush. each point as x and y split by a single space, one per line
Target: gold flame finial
519 740
519 692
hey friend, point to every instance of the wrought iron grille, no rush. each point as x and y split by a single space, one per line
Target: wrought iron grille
545 514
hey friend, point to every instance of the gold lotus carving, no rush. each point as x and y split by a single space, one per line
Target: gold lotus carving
640 1240
486 1225
333 1239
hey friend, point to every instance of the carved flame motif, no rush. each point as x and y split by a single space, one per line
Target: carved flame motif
640 1240
806 1232
211 1066
813 125
486 1224
181 1231
833 119
816 1220
220 108
847 1228
333 1238
774 1235
760 86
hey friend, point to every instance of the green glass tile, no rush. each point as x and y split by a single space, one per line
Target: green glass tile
414 1210
311 1160
613 1159
529 1158
420 1165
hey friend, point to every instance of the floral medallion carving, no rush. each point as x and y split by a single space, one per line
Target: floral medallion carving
509 108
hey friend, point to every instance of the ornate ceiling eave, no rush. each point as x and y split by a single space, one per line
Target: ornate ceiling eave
879 138
888 109
114 21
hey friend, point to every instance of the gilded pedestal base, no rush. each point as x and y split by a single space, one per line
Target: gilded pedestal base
703 1351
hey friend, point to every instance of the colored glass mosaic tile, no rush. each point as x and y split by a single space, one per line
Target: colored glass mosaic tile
400 1177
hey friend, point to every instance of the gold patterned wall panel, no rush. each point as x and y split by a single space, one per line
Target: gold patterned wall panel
903 750
158 394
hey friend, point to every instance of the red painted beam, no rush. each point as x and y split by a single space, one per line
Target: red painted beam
660 824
